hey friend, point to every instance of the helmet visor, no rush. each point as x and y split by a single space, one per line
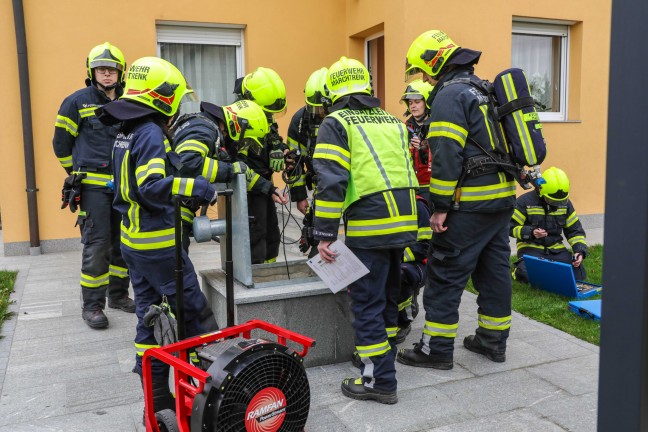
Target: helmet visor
106 63
251 145
411 72
277 106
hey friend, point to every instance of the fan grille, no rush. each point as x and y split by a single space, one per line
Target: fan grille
270 369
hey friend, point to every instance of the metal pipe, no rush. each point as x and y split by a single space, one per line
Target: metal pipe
229 263
28 137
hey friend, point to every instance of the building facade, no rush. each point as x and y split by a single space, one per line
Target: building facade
563 47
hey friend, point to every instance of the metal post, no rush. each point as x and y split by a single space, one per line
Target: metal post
179 273
229 264
623 373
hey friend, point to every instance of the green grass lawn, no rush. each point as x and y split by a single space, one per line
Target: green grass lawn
7 279
551 309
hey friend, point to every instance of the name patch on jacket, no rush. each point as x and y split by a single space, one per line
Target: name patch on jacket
123 141
375 116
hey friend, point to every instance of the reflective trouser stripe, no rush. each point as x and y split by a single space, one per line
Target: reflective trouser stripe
391 332
442 330
187 215
404 304
373 350
494 323
94 281
120 272
140 348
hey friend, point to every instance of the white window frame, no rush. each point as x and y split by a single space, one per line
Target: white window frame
551 28
203 33
366 45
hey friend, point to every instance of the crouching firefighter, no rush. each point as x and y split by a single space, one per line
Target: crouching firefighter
84 146
471 238
144 198
541 218
201 141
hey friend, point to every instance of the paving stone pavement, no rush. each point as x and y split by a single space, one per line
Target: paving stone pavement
57 374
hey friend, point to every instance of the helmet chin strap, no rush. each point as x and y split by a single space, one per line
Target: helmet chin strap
106 88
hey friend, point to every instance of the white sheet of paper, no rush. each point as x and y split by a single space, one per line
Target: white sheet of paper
337 275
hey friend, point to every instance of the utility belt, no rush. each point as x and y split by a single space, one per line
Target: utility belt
481 165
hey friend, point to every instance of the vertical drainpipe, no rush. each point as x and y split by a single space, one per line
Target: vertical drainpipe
28 138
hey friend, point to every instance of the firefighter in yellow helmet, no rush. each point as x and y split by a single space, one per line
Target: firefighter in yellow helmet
265 87
83 146
202 141
302 136
418 109
471 209
145 187
540 220
364 173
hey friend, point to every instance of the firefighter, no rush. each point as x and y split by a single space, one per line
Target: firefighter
412 276
202 139
144 191
418 109
83 146
540 219
471 210
364 173
265 87
302 136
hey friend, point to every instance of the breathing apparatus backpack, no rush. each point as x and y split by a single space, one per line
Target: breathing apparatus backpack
519 142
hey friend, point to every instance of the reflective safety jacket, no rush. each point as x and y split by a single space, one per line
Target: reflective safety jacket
260 164
81 142
422 164
302 136
457 116
418 251
199 143
144 188
364 171
532 212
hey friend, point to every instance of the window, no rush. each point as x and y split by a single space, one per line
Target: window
541 50
375 61
210 58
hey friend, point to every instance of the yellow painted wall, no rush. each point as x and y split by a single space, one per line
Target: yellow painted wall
294 37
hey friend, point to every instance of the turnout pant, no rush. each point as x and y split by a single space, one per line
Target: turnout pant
153 275
564 256
374 303
103 269
264 228
474 245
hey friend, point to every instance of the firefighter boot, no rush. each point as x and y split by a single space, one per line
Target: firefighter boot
472 343
96 319
93 301
355 389
125 303
402 333
417 358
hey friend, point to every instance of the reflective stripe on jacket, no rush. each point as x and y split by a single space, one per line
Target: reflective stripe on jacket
144 188
364 171
532 212
457 115
81 142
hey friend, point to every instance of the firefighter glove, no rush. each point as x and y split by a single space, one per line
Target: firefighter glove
239 168
74 193
277 161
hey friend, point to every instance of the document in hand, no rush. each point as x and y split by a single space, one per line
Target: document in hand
346 269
